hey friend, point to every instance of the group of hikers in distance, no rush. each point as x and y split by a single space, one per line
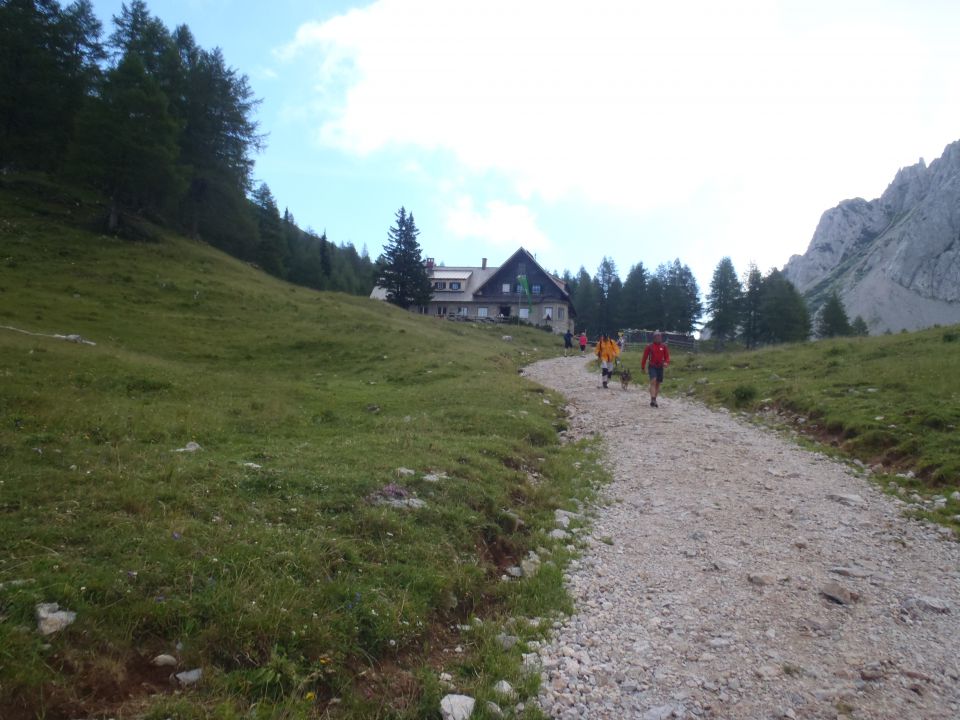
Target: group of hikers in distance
656 356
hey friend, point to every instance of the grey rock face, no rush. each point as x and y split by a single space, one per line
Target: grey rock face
895 260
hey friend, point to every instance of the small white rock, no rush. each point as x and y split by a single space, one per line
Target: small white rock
51 619
164 661
189 677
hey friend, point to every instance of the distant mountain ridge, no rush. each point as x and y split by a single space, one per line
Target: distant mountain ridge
895 261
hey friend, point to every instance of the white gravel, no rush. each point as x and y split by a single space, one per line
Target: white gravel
714 598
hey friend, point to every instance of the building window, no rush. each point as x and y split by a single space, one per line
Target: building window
519 288
506 288
441 309
535 289
454 286
548 314
439 285
524 313
481 312
462 311
561 313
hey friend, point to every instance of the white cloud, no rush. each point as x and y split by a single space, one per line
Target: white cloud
778 109
497 224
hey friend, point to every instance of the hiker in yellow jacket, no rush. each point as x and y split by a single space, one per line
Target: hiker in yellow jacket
607 352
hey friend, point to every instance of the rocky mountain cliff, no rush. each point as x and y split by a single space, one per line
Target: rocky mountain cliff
895 261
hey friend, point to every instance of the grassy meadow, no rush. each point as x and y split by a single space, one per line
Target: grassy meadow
262 558
891 402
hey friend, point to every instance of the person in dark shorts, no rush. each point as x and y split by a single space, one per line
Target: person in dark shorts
567 342
583 342
659 357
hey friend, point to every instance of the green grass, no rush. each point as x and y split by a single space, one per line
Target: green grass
892 402
262 557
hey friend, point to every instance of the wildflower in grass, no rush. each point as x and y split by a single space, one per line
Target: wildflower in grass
310 696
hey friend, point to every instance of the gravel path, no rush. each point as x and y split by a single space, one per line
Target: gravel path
735 575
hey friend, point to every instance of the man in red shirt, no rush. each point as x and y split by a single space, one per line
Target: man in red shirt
659 357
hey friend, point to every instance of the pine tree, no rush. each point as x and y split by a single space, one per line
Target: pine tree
750 307
272 250
400 268
724 302
607 286
654 310
783 313
635 297
586 303
832 320
680 297
859 327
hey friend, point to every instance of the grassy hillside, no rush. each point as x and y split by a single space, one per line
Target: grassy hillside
890 402
263 558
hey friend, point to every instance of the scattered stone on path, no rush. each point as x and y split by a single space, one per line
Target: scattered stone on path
925 603
761 580
849 499
504 690
405 472
850 572
835 592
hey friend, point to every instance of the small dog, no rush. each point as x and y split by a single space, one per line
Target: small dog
625 378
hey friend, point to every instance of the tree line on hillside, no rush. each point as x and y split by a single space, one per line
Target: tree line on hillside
163 128
757 310
666 298
767 309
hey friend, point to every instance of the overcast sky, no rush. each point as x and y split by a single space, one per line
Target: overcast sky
638 130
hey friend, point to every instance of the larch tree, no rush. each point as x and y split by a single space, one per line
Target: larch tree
126 143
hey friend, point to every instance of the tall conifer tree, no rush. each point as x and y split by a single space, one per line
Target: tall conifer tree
724 302
784 316
832 320
400 267
750 307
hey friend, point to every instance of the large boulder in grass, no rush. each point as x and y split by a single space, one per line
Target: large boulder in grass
457 707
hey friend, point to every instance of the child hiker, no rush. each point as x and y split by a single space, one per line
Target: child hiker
607 352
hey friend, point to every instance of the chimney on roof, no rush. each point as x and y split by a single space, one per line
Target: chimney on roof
429 263
483 264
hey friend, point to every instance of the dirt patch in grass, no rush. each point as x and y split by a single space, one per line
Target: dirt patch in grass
108 690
